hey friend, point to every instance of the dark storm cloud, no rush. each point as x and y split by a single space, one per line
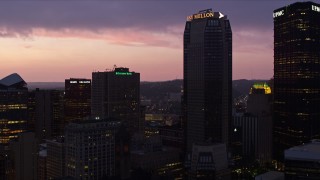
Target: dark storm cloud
20 17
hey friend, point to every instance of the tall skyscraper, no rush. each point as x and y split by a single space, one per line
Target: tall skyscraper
116 94
24 150
296 75
13 107
77 99
48 114
207 77
251 135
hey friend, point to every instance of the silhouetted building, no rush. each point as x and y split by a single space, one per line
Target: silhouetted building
253 130
31 111
172 136
42 163
271 175
117 94
296 75
77 99
208 161
56 163
24 152
48 114
207 77
13 107
303 162
90 149
2 166
148 154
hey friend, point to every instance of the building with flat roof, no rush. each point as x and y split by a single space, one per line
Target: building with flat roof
271 175
48 114
55 158
303 162
116 94
77 99
91 149
24 151
251 135
296 75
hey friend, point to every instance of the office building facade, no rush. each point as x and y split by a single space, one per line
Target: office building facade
55 158
90 149
207 77
116 94
13 107
77 99
24 151
251 135
303 161
296 75
48 114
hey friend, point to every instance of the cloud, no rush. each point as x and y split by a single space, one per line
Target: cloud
20 18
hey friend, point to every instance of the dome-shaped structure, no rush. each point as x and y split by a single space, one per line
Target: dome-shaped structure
13 80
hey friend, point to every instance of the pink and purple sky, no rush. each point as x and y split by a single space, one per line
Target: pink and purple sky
54 40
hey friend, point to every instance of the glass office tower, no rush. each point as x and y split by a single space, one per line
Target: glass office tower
296 75
207 77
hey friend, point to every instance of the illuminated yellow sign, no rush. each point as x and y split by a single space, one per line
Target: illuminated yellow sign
200 16
263 86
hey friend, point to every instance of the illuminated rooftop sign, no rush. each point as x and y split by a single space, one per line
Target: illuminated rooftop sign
278 13
200 16
80 82
315 8
263 86
123 73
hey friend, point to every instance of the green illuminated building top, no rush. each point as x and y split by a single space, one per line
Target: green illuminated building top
124 73
260 86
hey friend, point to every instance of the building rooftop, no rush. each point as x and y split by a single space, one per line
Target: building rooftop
296 4
271 175
11 79
260 86
306 152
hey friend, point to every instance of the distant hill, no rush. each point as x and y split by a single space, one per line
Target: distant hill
45 85
158 89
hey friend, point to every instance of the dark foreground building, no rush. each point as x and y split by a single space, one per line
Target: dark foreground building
95 149
207 77
296 75
48 114
303 162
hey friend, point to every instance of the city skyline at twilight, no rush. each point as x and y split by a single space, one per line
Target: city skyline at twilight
52 41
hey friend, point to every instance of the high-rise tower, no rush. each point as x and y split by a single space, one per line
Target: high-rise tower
117 94
207 77
77 99
296 75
